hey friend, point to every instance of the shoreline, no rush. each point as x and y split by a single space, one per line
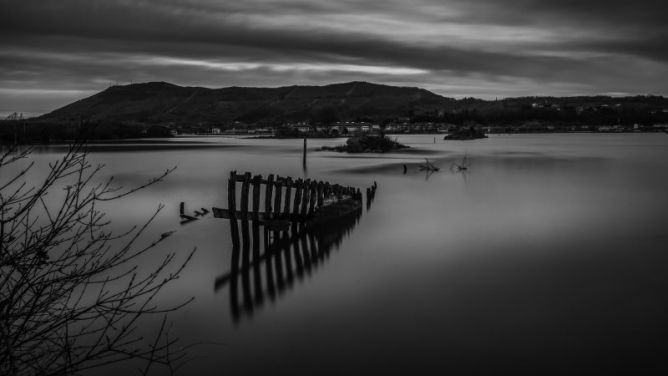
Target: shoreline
174 140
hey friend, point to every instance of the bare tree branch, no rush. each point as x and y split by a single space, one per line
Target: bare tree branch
71 292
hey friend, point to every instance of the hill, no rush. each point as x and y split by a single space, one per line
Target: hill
165 103
155 109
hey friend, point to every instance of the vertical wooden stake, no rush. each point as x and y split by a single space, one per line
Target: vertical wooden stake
256 218
244 196
306 197
279 195
313 192
321 194
298 198
288 193
232 205
232 194
267 196
304 156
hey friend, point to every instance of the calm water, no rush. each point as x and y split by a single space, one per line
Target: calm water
547 257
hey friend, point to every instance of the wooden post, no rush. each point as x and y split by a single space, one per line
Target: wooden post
232 205
288 193
244 196
245 255
279 195
298 197
305 197
232 194
321 193
313 191
256 197
328 190
304 156
267 196
256 217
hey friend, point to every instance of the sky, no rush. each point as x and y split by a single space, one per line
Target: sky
53 52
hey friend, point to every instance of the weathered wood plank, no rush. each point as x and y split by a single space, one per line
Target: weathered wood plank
313 193
328 190
277 197
283 182
298 196
244 196
232 194
262 217
305 197
288 194
256 196
321 193
268 193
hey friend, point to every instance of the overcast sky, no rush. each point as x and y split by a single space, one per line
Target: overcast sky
53 52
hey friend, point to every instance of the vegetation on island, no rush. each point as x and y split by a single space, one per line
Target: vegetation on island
368 144
466 133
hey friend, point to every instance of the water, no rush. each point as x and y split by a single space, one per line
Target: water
547 256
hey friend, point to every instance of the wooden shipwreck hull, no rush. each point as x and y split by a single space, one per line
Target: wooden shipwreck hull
302 222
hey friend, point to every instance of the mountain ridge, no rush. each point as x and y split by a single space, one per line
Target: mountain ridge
163 102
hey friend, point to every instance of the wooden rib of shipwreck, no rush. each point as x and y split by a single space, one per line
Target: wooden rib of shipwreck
314 202
302 221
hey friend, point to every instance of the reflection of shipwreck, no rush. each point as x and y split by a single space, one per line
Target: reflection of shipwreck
302 221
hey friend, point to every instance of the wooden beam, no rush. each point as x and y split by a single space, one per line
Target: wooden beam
232 194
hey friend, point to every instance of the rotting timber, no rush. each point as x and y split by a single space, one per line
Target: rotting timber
302 221
314 201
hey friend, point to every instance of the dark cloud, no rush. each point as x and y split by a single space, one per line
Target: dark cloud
483 48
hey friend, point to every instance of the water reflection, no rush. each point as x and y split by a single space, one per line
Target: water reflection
265 267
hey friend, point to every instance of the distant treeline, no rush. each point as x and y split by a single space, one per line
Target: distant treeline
46 132
511 112
565 116
526 114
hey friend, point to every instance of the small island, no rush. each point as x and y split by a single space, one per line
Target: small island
367 144
466 133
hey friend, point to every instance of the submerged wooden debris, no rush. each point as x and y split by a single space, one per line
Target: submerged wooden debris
462 166
300 222
313 200
185 218
428 166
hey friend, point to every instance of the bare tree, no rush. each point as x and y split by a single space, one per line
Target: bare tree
72 292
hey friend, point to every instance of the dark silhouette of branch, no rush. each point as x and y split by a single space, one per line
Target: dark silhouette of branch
71 292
